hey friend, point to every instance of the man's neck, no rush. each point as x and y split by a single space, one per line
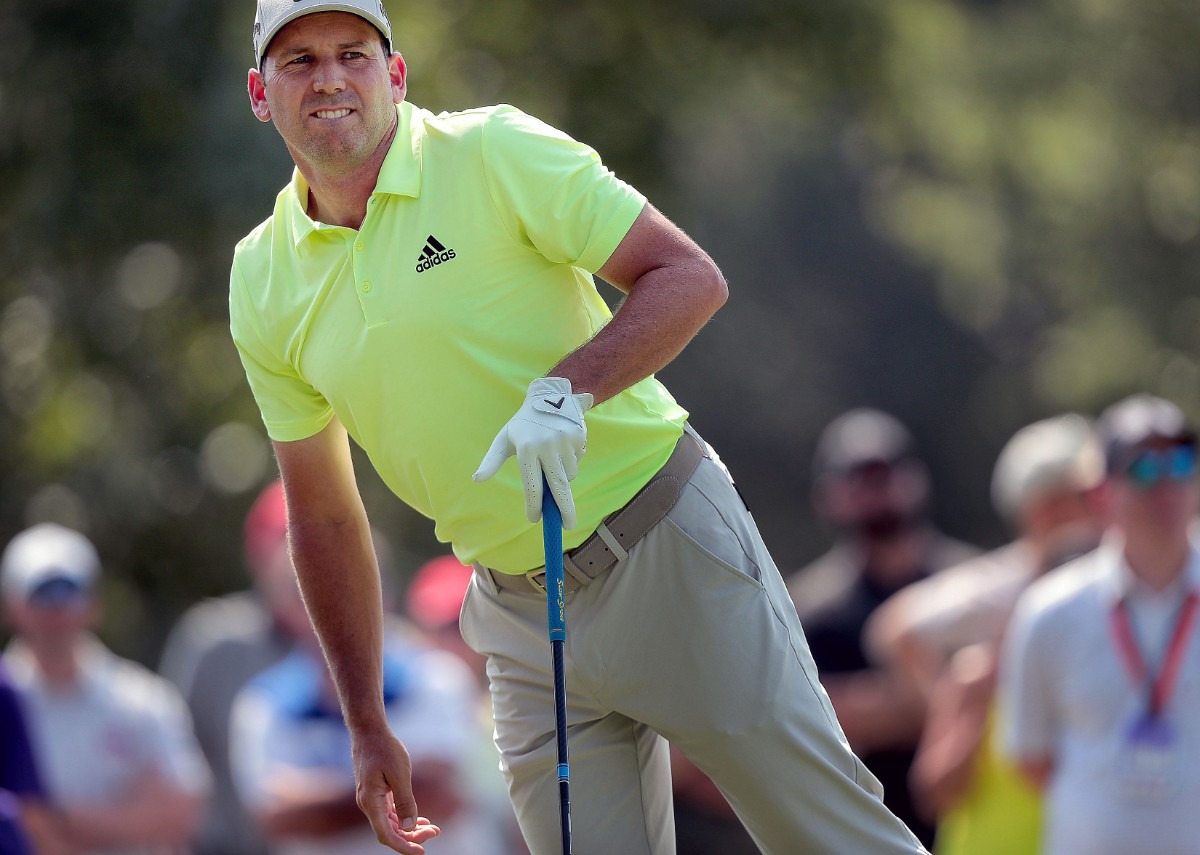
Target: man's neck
339 198
60 668
1157 563
338 203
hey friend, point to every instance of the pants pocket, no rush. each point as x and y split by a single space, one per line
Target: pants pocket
712 517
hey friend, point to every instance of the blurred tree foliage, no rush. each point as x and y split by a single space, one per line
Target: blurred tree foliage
971 213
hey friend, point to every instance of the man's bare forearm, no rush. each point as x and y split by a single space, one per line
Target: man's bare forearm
330 541
672 289
339 579
653 326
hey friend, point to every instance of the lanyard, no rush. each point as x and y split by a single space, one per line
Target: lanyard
1161 686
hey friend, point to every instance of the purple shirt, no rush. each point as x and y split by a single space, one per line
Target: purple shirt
18 774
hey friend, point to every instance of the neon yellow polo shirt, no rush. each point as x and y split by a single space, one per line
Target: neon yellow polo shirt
469 277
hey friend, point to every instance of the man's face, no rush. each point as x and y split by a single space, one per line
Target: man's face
330 87
53 620
875 500
1156 494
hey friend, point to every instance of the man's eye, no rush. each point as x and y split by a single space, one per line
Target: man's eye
298 60
355 54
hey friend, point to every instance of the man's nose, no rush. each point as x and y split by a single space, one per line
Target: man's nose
329 79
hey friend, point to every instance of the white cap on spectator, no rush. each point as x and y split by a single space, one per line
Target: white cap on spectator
44 554
860 437
1060 453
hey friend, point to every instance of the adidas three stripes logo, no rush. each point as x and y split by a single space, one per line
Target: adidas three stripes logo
432 254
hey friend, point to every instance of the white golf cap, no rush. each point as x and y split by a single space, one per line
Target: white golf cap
1060 453
44 555
272 15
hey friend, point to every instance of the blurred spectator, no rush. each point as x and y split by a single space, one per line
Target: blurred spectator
1100 672
113 740
874 492
290 749
944 633
213 651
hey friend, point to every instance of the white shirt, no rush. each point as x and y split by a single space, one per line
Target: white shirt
1066 694
95 740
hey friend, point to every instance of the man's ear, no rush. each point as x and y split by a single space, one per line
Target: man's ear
398 74
256 87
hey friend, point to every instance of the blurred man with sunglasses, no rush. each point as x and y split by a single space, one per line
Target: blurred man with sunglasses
1101 671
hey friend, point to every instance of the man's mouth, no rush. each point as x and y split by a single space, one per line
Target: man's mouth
333 114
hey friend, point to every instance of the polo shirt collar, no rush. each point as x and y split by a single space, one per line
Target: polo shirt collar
399 175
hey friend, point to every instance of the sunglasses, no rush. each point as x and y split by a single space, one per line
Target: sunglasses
1177 463
59 593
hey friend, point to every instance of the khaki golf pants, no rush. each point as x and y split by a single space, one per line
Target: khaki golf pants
693 639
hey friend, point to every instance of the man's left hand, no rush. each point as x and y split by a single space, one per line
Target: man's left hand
383 776
548 435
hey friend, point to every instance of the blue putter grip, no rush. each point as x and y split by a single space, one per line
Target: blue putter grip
556 607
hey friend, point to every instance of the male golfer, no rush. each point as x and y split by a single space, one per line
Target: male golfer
423 283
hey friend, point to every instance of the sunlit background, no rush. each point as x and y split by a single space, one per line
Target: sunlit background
970 214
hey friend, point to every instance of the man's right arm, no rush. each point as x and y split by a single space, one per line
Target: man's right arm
335 564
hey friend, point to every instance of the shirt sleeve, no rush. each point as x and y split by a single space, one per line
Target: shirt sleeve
291 408
553 193
1028 725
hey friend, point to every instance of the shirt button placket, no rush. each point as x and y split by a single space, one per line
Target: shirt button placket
365 287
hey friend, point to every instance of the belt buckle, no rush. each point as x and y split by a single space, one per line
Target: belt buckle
537 578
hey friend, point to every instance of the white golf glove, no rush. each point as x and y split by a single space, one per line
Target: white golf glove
548 435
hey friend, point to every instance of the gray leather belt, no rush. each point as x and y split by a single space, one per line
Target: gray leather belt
620 530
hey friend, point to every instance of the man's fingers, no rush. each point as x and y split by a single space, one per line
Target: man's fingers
377 803
531 483
570 465
500 450
398 827
560 489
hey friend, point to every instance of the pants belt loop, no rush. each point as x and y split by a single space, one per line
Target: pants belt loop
611 541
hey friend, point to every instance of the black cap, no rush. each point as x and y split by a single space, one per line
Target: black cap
860 437
1137 420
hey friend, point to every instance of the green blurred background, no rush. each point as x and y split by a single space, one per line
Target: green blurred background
971 214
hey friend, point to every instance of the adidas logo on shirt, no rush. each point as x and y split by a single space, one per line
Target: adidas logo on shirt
433 254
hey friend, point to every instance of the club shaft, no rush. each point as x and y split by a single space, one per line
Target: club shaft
556 623
560 726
